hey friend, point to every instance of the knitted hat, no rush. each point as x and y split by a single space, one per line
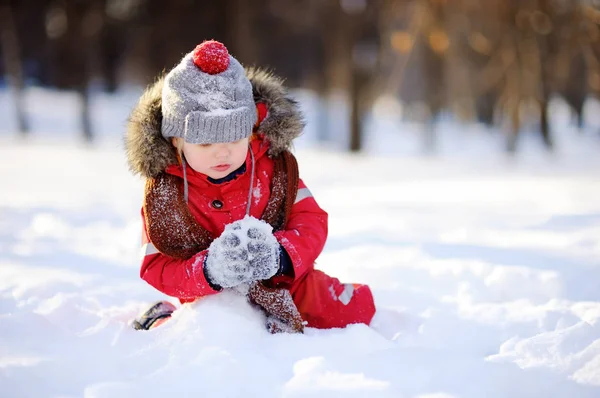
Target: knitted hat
207 98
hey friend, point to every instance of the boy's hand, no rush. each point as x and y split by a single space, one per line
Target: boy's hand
243 253
227 262
263 254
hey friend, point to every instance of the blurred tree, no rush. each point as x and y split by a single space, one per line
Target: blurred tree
111 39
516 53
419 39
491 60
72 29
350 57
13 63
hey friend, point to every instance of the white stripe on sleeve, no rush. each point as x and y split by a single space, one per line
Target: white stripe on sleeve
148 249
346 295
303 193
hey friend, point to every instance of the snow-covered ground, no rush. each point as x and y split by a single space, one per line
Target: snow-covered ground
492 262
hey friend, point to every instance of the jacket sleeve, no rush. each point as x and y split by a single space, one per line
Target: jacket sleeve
305 233
183 279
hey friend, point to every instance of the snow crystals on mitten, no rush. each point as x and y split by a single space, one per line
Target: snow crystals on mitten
246 251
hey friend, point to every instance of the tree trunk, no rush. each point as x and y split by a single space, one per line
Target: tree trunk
355 112
515 125
74 47
340 32
545 125
84 115
13 64
239 30
580 119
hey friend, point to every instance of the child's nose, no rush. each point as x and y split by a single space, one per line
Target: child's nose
222 150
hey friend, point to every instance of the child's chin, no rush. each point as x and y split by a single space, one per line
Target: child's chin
218 175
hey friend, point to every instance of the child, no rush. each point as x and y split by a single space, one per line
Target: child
213 142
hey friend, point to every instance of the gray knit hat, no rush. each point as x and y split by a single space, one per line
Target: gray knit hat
207 98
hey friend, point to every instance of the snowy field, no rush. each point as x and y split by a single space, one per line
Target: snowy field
492 262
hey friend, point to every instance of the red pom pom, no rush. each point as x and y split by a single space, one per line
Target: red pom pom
211 57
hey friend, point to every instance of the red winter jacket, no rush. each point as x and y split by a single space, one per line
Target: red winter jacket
216 205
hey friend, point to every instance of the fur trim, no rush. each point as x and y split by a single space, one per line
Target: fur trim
149 153
284 121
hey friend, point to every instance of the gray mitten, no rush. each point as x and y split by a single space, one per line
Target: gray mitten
263 253
245 252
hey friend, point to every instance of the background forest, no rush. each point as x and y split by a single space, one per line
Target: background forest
498 62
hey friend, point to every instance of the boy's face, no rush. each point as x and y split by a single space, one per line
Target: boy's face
216 160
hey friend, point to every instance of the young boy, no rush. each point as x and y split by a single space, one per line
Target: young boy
213 142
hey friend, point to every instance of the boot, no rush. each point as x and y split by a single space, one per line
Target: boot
156 315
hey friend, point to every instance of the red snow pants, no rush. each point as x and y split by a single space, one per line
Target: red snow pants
324 302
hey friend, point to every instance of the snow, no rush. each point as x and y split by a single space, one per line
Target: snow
491 264
256 193
220 112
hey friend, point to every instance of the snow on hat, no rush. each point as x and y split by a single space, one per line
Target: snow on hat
207 97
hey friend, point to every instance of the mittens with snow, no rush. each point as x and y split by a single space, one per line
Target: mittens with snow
263 250
245 252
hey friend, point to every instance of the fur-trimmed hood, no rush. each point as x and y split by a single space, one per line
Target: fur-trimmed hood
149 153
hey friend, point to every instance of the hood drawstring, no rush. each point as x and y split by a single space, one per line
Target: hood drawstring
251 182
185 181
